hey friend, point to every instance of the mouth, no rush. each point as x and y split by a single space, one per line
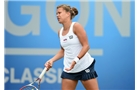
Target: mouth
58 19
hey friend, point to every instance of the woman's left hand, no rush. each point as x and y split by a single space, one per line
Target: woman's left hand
72 66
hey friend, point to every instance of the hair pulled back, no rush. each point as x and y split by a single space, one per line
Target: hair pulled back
73 11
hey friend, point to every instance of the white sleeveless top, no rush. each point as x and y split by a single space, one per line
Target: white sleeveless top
72 48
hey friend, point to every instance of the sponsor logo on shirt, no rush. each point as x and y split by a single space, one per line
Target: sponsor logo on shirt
71 37
65 39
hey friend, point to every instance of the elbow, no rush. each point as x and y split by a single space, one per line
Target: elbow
88 47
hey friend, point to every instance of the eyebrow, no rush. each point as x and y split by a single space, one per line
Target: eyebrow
58 12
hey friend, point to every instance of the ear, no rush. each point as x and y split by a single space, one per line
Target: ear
68 13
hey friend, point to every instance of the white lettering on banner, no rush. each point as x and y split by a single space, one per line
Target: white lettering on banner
59 75
122 22
26 76
33 26
51 76
12 76
6 72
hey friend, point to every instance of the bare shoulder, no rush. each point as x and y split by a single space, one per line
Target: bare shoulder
77 27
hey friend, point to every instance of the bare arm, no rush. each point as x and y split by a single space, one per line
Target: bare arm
81 34
59 55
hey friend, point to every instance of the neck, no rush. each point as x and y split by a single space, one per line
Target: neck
66 25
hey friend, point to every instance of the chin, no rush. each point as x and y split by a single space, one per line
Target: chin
60 22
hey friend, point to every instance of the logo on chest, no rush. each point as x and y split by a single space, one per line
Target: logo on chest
65 39
71 37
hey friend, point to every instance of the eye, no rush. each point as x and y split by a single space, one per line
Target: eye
58 13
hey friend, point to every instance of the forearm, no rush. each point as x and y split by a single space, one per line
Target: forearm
83 51
58 56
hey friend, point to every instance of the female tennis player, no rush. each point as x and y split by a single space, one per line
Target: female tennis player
78 63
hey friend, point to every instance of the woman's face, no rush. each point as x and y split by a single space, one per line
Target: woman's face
62 15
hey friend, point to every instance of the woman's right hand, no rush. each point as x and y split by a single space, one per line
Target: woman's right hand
49 64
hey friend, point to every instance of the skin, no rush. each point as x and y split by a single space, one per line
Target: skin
64 19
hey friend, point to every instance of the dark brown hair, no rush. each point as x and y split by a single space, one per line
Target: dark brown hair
67 8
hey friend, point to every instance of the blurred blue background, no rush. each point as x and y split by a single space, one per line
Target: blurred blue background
31 39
